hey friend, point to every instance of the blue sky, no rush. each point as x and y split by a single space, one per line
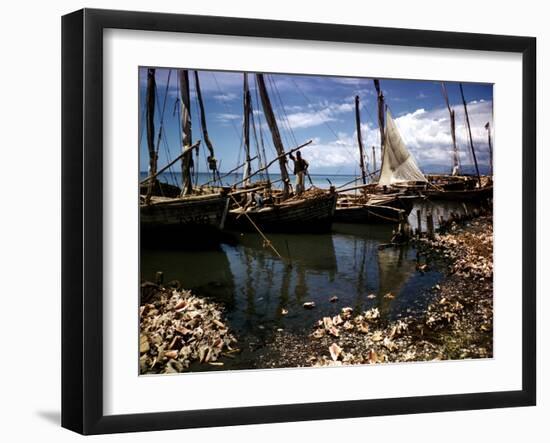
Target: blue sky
322 109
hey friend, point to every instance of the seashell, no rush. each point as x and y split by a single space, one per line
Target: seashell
335 351
327 322
143 344
372 357
376 336
318 333
171 354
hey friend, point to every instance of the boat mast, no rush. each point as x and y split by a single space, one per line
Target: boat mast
246 128
211 159
187 159
456 166
373 159
488 127
150 102
470 134
275 135
380 98
360 141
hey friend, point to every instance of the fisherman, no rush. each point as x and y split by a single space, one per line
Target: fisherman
300 170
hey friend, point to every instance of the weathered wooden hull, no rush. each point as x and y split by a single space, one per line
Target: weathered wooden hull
379 209
368 214
471 194
312 214
183 217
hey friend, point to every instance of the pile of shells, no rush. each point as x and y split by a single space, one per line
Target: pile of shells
177 329
469 248
361 339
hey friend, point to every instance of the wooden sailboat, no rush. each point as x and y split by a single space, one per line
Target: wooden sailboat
194 210
277 210
370 206
460 187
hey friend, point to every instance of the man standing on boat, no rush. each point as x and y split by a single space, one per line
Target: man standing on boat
300 170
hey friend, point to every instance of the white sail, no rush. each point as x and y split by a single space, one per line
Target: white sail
398 164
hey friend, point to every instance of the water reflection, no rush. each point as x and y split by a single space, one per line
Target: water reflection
255 285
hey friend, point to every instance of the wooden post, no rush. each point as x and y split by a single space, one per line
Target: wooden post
151 91
275 135
470 134
381 124
488 127
419 221
453 130
247 109
360 141
430 224
373 159
159 278
187 159
210 159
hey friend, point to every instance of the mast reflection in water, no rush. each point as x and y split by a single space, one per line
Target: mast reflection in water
254 285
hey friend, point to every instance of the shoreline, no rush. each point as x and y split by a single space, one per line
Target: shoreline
458 323
181 332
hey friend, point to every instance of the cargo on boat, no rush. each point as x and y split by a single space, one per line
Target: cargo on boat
312 213
260 207
166 213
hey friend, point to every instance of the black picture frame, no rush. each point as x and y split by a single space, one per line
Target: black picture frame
82 215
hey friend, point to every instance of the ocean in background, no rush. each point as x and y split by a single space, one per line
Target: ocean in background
318 180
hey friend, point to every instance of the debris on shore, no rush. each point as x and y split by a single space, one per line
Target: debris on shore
458 323
177 329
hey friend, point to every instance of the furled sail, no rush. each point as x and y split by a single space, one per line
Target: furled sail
398 164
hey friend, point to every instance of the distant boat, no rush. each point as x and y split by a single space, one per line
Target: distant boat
372 204
194 210
399 171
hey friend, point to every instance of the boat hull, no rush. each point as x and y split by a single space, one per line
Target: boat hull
471 194
185 219
368 214
380 209
312 214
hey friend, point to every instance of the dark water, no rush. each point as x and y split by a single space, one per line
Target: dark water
253 284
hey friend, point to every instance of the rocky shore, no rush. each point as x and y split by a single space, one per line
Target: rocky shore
180 331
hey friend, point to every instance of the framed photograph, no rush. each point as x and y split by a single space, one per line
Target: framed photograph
269 221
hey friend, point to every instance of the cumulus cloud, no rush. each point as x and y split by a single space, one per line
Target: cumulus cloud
338 153
316 114
426 134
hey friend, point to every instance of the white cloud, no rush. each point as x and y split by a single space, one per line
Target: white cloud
426 134
316 114
230 96
227 117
